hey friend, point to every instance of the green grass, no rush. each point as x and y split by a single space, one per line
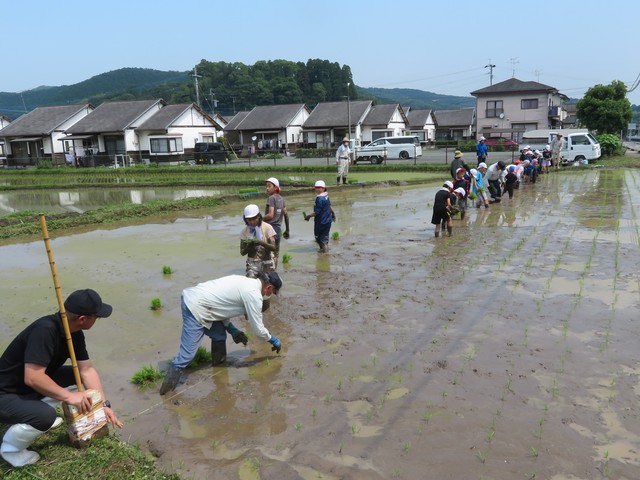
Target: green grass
147 377
105 459
166 270
203 357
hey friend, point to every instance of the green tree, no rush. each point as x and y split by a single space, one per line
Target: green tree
605 108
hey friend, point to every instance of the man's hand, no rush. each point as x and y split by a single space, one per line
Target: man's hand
277 344
307 217
111 417
80 400
285 235
240 337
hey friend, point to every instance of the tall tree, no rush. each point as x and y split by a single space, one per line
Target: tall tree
605 108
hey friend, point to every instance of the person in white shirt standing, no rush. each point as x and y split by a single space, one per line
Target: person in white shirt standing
556 147
207 309
343 160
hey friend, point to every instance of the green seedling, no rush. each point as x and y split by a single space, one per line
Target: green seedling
534 452
156 304
286 258
335 235
147 377
202 357
298 426
406 447
166 270
304 215
214 443
248 190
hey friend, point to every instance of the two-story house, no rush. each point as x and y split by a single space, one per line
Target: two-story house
510 108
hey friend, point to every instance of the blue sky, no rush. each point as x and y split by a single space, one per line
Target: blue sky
440 46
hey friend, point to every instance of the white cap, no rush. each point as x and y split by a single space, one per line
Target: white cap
320 183
461 191
482 165
482 138
448 183
251 211
275 181
473 172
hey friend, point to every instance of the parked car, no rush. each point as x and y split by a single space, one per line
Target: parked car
390 147
505 142
207 153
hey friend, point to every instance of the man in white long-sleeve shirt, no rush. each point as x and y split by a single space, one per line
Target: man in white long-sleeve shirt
343 160
207 309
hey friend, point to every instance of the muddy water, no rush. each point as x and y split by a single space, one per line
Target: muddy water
506 351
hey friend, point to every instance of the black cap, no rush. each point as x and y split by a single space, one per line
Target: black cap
274 279
87 302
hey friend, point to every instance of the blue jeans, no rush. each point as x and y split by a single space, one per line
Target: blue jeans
192 333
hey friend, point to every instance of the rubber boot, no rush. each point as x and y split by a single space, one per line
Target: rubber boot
324 248
171 379
437 233
462 214
218 352
449 230
16 441
344 180
338 180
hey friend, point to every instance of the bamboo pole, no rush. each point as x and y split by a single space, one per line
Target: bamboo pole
63 313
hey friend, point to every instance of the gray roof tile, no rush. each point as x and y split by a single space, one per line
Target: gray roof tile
336 114
41 121
112 117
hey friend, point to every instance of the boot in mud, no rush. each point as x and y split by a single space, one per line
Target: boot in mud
171 379
437 233
449 231
337 180
462 215
218 352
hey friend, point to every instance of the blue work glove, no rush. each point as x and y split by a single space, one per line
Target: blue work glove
237 335
277 345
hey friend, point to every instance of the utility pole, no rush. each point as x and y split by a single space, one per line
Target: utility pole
349 109
490 66
196 77
537 74
214 102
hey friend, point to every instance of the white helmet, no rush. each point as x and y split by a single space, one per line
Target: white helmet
320 183
251 211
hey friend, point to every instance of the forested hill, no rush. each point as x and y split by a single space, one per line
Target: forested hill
227 88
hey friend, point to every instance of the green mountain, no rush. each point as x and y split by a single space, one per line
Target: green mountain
227 88
417 99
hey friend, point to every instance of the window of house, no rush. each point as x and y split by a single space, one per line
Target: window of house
380 134
528 103
166 145
494 108
208 139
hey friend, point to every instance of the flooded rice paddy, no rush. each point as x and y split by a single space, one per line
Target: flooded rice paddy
509 350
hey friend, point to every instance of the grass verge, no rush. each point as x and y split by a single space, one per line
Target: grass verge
105 459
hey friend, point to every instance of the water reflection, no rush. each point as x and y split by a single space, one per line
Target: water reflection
93 198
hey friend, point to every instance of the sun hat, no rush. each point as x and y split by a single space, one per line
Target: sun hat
448 184
320 183
458 154
482 165
274 180
251 211
345 139
473 172
87 302
461 191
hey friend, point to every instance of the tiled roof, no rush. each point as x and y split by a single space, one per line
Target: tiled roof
450 118
380 114
513 85
163 119
336 114
270 117
234 121
41 121
112 117
418 118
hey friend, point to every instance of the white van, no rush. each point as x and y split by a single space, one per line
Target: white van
389 147
579 144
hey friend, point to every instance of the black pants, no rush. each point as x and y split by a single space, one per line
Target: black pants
495 189
29 409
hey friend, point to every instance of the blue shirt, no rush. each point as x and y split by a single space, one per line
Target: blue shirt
481 149
322 209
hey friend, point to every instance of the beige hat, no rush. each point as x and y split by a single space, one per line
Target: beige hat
458 154
345 139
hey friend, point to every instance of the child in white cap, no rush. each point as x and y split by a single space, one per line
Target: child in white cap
322 216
